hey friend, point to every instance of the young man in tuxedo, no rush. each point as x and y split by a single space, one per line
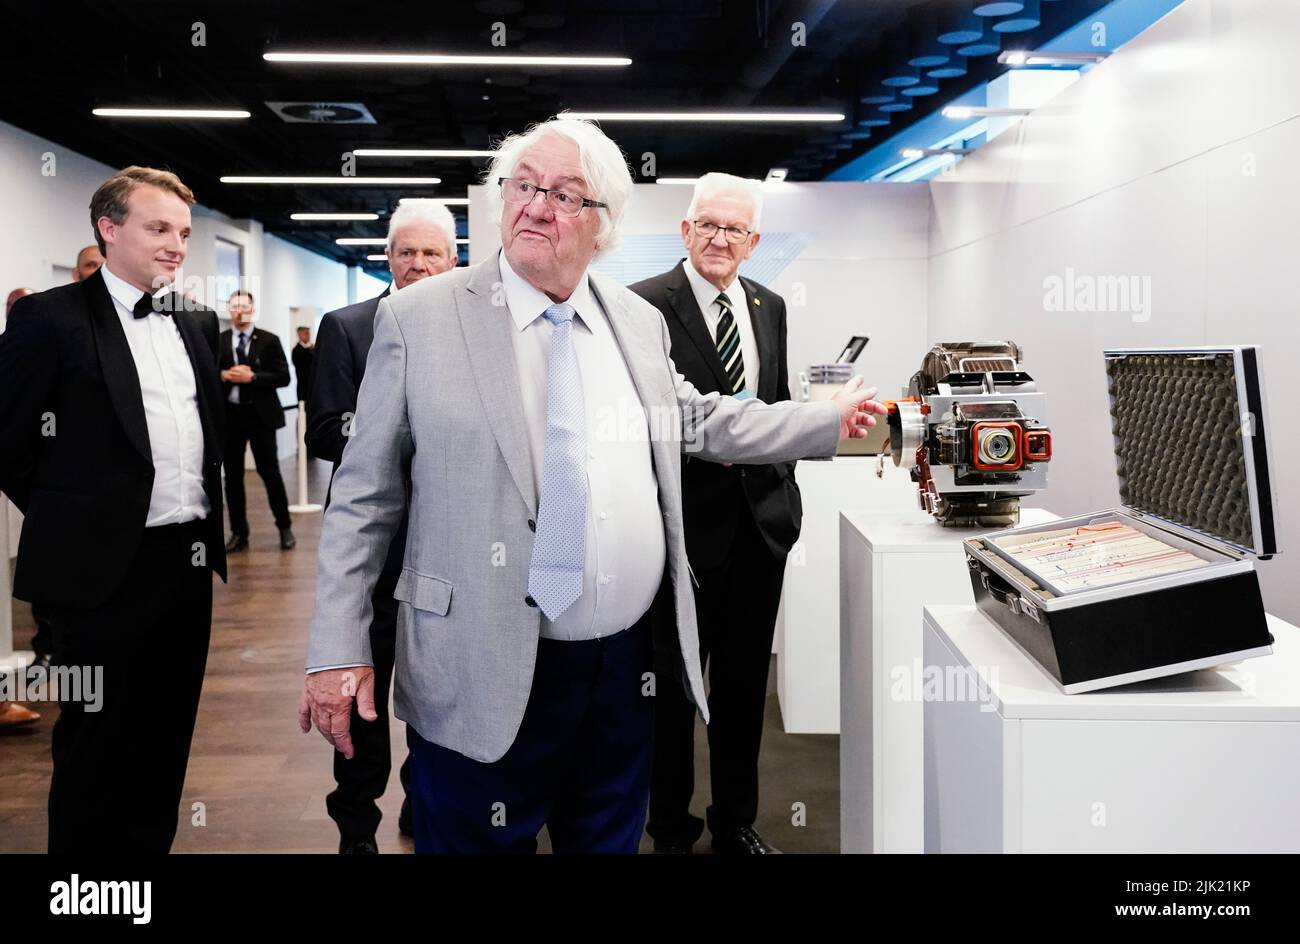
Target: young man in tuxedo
252 368
728 335
421 243
110 416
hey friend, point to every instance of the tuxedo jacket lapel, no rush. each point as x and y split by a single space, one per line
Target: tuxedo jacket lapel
117 364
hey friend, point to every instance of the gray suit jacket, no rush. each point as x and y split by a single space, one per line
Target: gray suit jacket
440 408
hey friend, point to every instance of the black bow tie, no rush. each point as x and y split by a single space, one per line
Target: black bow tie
146 306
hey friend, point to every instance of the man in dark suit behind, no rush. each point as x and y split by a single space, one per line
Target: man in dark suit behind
252 368
302 355
421 243
728 335
110 419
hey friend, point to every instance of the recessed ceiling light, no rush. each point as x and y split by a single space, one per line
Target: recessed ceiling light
676 181
445 201
437 59
376 257
360 241
333 216
1020 57
776 175
934 152
420 152
349 181
972 111
731 116
170 113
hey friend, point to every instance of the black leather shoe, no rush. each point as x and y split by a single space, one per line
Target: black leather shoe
673 848
237 542
404 821
358 847
742 840
287 543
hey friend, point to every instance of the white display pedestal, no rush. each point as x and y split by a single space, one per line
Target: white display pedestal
891 565
9 659
807 626
1205 761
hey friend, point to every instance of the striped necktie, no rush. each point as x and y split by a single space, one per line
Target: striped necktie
728 341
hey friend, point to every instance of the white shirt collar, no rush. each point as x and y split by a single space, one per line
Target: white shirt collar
123 292
527 303
706 293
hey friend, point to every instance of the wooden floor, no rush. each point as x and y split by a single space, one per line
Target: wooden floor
262 783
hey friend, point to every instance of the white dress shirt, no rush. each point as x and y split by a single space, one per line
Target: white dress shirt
171 408
706 295
625 546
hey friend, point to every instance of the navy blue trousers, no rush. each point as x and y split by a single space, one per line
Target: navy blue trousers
580 765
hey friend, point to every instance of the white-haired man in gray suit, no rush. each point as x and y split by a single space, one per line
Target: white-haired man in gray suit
525 414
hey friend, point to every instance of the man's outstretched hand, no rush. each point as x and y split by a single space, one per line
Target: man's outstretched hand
856 408
327 702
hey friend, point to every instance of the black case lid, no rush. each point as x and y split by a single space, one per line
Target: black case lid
1190 441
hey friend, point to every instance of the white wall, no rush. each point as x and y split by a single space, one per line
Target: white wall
1169 162
47 217
863 273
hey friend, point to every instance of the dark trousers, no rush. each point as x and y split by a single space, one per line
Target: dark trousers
243 425
363 779
735 605
119 770
43 639
580 764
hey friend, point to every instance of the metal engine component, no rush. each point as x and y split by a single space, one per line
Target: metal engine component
972 431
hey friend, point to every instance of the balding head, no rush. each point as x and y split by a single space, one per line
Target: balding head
88 262
14 296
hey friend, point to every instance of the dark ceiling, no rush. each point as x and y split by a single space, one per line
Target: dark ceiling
63 59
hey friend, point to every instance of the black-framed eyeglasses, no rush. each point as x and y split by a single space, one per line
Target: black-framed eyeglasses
708 230
514 190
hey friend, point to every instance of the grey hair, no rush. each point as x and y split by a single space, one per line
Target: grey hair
423 211
715 184
603 165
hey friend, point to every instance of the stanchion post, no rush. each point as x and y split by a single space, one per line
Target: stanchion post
304 506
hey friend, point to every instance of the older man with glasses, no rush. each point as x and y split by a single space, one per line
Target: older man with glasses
525 414
728 335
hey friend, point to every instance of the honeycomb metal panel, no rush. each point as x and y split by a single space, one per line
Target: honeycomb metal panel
986 364
1178 441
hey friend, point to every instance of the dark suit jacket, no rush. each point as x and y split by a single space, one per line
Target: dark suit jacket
342 344
84 485
302 358
710 491
270 372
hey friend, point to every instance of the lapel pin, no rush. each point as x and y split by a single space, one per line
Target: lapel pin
757 302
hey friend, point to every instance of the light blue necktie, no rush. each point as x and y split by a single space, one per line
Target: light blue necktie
555 573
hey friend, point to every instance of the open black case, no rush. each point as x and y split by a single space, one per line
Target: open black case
1192 459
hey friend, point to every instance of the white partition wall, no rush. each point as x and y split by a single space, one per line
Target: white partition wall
1167 170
